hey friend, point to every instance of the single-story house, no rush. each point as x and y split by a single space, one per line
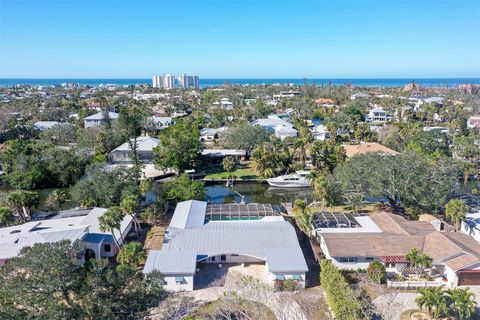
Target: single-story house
123 153
222 153
277 126
226 233
354 149
353 241
97 119
45 125
359 95
474 122
80 226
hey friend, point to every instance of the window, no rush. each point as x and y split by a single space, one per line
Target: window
212 259
180 280
369 259
223 257
296 277
280 277
348 259
234 255
107 248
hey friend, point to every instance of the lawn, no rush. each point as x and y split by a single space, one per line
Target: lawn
243 170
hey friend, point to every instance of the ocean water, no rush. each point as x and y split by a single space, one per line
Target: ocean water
384 82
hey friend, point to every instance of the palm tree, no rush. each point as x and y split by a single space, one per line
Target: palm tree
423 262
412 256
303 216
129 206
132 254
300 148
228 165
434 299
456 210
111 220
57 198
312 176
462 302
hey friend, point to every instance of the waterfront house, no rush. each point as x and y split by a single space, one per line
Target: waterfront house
281 128
123 153
353 241
366 147
234 234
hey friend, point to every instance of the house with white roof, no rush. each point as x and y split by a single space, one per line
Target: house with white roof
45 125
79 226
123 153
224 103
98 119
319 132
239 234
277 126
359 95
156 123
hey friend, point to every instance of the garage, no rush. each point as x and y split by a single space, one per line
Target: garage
469 278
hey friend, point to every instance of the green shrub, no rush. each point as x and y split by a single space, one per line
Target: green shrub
339 294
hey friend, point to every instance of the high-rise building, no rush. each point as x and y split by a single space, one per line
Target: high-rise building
167 81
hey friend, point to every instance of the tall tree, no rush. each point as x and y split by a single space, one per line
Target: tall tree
131 255
22 202
456 210
179 147
111 221
462 302
129 206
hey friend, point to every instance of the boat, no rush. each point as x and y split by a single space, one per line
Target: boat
296 180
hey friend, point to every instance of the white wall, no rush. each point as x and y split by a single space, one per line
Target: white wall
234 259
471 231
172 285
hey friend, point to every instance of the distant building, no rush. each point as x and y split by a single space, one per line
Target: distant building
98 119
224 103
45 125
474 122
378 115
362 148
188 82
359 95
123 153
167 81
279 127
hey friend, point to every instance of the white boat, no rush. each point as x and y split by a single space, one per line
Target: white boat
296 180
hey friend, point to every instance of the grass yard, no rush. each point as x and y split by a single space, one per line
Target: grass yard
243 170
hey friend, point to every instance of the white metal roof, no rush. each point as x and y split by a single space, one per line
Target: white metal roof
171 262
144 143
13 239
285 260
189 214
99 116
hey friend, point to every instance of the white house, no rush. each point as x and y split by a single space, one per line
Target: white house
224 103
359 95
159 123
277 126
45 125
378 115
229 233
319 132
474 122
98 119
79 226
145 146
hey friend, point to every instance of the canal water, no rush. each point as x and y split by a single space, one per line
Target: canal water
254 192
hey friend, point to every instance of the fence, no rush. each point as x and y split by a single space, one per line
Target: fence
414 284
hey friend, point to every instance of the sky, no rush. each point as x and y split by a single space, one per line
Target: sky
240 39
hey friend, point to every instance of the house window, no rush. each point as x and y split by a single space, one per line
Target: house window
296 277
369 259
107 248
223 257
179 280
212 259
234 255
280 277
348 259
